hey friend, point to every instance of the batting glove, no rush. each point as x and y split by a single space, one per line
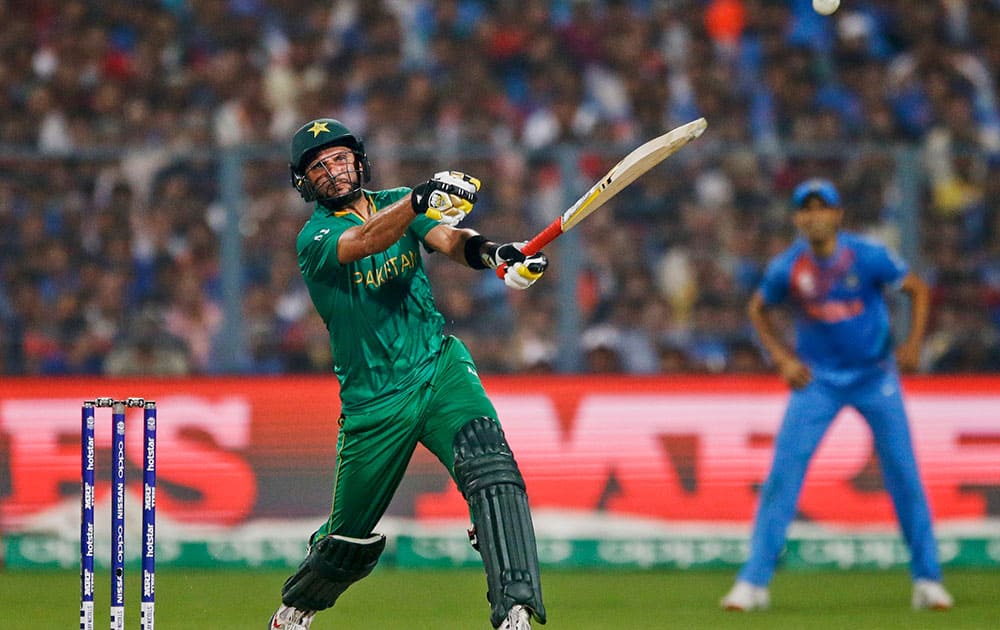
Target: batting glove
521 271
448 197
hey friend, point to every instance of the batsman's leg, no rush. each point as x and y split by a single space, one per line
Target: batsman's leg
372 454
333 564
489 479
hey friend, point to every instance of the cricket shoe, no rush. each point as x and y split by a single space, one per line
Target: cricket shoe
745 597
931 595
291 618
518 618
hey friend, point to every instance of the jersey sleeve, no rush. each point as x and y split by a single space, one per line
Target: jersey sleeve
422 224
887 267
774 286
317 250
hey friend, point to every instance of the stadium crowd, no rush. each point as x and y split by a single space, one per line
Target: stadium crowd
113 115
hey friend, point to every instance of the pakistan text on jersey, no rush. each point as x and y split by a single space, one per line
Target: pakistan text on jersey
392 268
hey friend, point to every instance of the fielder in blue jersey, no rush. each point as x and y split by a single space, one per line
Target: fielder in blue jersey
834 282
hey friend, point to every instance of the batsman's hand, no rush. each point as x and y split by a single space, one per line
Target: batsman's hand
520 270
448 197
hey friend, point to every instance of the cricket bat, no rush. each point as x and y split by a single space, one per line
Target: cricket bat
630 168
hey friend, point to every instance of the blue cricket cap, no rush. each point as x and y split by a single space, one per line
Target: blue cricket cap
822 188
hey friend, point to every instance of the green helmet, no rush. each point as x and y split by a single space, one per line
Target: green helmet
314 136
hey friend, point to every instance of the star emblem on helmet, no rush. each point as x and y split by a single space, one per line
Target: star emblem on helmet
318 127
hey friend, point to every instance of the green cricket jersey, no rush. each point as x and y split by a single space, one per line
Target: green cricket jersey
384 328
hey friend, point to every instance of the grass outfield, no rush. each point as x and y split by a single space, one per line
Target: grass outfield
582 600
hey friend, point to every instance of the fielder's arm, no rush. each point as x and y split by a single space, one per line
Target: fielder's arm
908 352
791 369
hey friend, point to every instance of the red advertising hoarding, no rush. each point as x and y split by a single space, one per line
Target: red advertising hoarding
673 449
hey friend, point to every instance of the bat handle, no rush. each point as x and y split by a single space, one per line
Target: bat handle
536 244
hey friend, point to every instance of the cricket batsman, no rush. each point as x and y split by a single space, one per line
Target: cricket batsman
402 381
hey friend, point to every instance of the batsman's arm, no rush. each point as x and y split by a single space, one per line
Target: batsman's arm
447 197
451 242
376 234
468 247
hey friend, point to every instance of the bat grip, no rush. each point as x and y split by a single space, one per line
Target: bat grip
536 244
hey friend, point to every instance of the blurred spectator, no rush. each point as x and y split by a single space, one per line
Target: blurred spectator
147 351
673 359
195 319
743 357
601 347
306 346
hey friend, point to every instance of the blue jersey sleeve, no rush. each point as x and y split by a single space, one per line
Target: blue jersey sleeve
774 285
886 267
